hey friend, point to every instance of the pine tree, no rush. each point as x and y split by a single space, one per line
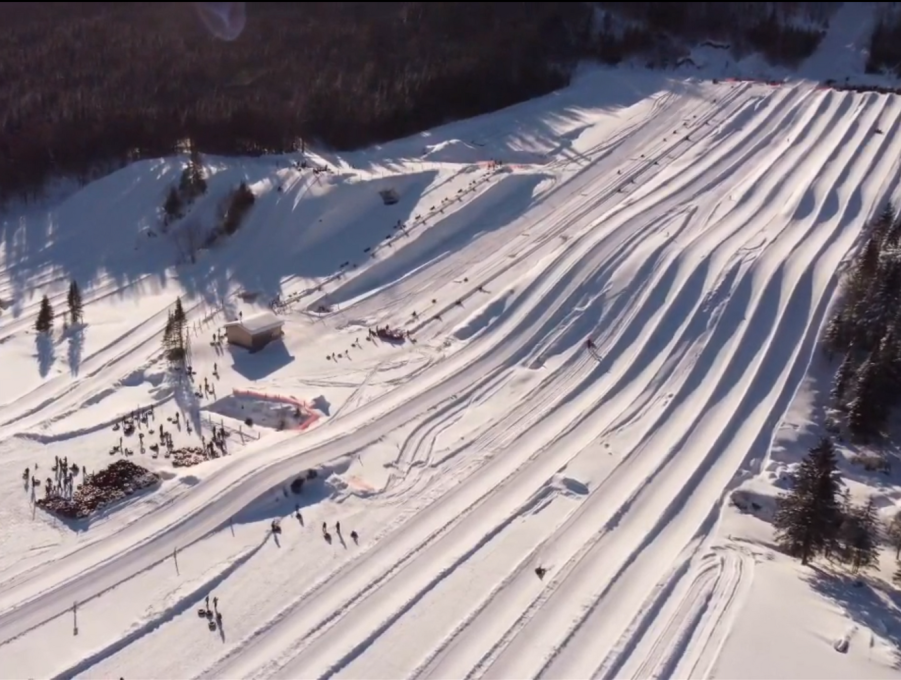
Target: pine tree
860 537
167 334
198 181
893 234
44 322
882 224
73 299
173 205
807 517
174 335
179 317
172 340
868 411
193 183
843 377
893 534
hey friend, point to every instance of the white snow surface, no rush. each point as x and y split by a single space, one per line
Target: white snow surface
694 231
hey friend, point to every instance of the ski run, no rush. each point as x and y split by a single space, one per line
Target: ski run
609 301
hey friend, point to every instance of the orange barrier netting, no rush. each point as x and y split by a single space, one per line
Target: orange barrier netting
311 415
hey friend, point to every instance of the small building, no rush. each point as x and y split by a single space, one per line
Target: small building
254 332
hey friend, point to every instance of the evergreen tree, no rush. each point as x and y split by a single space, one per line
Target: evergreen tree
897 576
868 411
167 334
807 517
843 377
859 537
179 318
73 299
837 334
173 205
882 225
175 333
192 183
893 534
44 322
893 234
198 181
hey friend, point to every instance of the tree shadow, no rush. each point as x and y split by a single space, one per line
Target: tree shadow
866 601
302 225
185 397
75 337
314 227
45 352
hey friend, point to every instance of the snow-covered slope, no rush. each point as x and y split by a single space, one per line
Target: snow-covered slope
693 231
840 57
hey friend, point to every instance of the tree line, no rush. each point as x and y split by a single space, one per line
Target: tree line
94 85
90 86
865 332
885 41
816 518
784 32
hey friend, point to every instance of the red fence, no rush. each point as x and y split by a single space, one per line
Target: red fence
311 415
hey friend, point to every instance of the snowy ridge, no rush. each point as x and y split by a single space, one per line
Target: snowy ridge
692 230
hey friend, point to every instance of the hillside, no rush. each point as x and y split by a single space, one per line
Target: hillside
89 87
600 385
512 502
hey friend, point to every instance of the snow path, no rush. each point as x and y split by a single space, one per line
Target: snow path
695 237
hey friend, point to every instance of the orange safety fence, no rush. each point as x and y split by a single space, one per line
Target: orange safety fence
312 416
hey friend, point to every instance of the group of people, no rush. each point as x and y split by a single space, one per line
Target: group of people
276 527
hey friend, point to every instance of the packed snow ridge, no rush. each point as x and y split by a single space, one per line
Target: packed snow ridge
512 502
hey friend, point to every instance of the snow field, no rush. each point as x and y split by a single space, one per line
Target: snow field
694 234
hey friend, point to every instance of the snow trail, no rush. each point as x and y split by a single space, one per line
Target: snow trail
694 236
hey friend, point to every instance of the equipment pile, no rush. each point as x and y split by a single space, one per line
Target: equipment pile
115 482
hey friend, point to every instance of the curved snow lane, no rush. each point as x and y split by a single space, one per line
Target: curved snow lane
702 272
211 503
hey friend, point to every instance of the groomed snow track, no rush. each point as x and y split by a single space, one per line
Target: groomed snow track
699 249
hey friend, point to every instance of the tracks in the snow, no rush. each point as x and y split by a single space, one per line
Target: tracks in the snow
703 289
